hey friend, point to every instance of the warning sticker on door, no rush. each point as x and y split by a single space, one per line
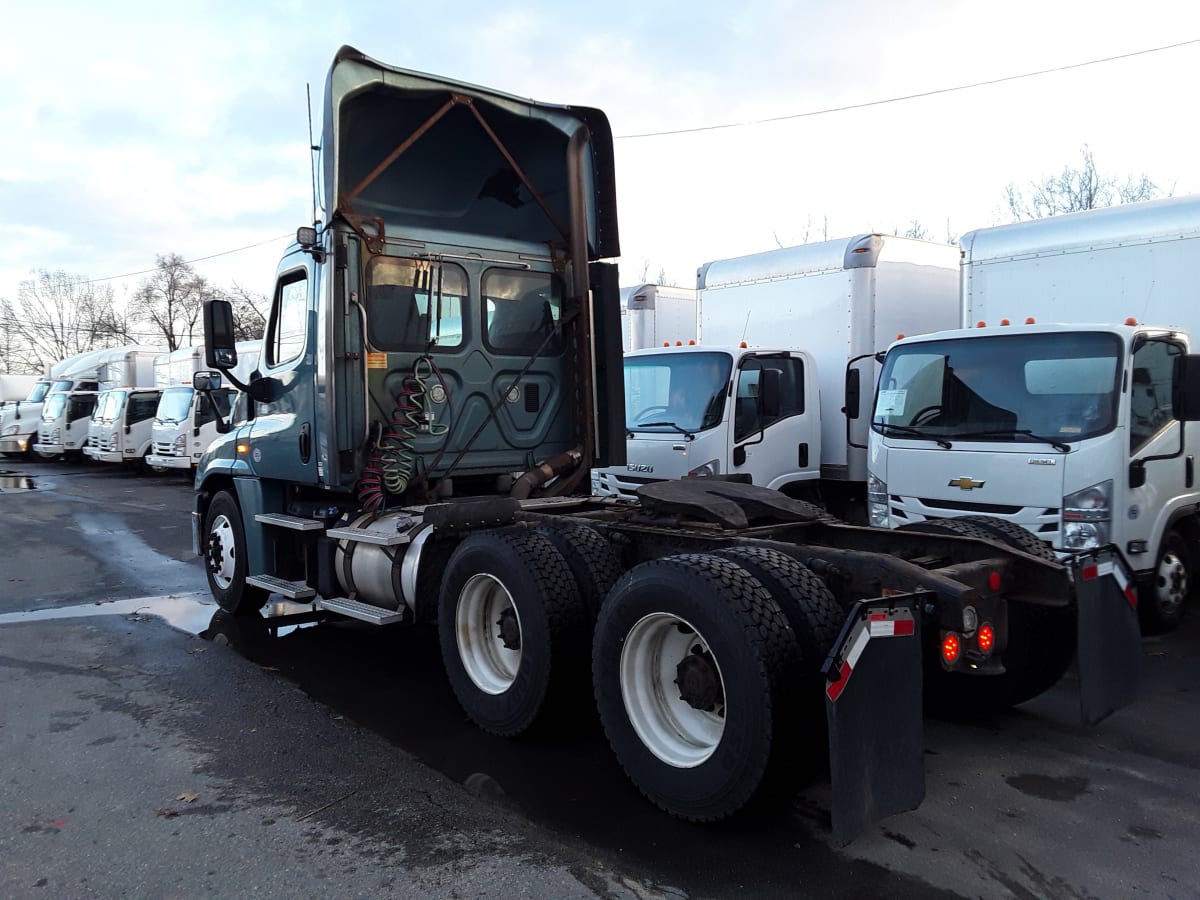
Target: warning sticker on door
376 360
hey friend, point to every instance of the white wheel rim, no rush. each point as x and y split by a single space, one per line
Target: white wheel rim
488 662
222 530
672 729
1171 585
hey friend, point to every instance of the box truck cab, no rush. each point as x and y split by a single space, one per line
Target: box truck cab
701 410
119 431
63 428
1063 427
828 308
186 420
19 422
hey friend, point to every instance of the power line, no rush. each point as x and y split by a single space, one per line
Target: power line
187 261
933 93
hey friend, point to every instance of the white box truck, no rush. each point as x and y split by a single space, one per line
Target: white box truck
65 420
654 314
119 431
19 421
1067 430
815 315
185 422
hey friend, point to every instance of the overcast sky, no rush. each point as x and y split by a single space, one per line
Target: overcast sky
136 129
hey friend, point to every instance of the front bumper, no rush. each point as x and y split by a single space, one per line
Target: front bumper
16 443
169 462
108 456
49 449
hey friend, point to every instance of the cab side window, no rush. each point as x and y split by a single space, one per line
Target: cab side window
289 320
1150 390
141 409
746 418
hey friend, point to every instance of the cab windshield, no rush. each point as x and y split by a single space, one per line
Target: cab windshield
54 407
676 392
39 391
1028 388
174 406
108 407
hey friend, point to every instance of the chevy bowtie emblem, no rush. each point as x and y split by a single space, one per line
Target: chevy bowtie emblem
966 483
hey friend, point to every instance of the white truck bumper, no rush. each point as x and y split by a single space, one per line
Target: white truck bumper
169 462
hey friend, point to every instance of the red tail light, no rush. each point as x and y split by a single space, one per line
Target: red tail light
986 638
950 648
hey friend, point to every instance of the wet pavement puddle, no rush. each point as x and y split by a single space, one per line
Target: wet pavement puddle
10 482
189 612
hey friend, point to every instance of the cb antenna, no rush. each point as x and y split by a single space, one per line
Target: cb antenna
746 327
312 150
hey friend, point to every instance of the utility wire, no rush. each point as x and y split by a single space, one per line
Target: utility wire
186 261
933 93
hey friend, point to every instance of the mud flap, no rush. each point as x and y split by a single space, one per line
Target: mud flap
1109 636
873 706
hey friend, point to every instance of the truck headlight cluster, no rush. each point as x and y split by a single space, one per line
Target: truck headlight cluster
877 502
10 429
1087 517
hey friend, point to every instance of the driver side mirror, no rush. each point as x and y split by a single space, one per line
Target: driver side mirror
220 349
1185 389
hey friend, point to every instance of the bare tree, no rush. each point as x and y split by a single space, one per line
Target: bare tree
914 230
57 315
1077 189
171 298
249 320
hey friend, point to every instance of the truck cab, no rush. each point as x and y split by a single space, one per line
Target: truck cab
185 423
1066 430
700 411
19 421
66 414
120 429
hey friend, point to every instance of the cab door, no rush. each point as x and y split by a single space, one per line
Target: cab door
281 442
781 446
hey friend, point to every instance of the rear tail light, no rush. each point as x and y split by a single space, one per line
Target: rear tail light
950 648
986 638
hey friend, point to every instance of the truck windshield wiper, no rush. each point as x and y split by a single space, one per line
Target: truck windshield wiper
909 431
640 425
1014 432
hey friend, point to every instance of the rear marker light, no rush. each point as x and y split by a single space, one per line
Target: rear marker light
950 648
994 581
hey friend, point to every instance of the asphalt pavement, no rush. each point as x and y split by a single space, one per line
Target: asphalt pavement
154 747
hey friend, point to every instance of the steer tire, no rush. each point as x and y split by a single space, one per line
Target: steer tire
1161 596
697 759
591 559
224 521
493 576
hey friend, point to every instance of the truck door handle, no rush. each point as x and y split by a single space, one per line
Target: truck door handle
305 443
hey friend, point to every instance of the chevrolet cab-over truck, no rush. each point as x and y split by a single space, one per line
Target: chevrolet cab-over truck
441 367
1054 407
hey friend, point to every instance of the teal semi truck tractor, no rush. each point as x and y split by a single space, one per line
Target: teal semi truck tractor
440 370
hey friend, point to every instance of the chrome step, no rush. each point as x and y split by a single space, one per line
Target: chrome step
382 535
292 590
293 522
365 612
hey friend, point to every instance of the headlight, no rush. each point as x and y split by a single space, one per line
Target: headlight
877 503
113 438
11 429
1087 517
712 467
